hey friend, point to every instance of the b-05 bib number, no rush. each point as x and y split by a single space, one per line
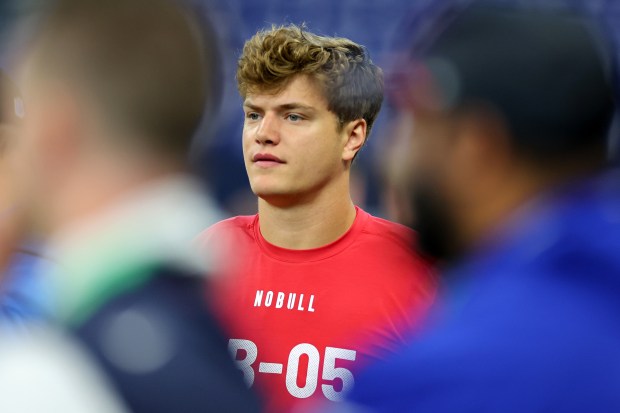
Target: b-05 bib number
331 374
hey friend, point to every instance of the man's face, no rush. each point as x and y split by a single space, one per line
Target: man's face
31 183
292 144
38 150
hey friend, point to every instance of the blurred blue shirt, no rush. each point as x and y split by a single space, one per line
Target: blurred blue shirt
529 322
25 294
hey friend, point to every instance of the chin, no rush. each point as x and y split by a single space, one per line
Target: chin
262 191
279 198
263 186
269 194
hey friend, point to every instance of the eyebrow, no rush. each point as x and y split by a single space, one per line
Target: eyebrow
285 106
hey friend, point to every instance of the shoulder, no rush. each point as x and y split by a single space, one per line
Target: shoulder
169 295
170 316
231 227
395 245
389 232
389 228
241 222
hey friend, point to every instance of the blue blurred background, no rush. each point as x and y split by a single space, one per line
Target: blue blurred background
383 26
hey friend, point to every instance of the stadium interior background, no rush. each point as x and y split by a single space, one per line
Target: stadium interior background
380 25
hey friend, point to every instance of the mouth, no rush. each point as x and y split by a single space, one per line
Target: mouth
265 160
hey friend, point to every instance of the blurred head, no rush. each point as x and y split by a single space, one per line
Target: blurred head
310 101
505 105
11 119
114 84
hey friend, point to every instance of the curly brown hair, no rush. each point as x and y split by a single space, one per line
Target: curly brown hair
352 84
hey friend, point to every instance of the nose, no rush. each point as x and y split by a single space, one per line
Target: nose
268 132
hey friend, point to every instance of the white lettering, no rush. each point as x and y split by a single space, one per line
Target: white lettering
244 364
312 374
259 298
336 366
268 298
291 301
280 301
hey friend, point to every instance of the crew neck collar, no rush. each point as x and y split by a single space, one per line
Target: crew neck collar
313 254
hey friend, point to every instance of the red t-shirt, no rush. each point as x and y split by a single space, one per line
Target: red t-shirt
302 322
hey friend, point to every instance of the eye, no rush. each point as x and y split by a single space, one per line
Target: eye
252 116
293 117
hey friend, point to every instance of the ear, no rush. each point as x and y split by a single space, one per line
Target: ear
355 135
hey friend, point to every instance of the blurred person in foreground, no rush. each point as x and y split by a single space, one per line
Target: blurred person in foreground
24 292
315 287
512 191
115 91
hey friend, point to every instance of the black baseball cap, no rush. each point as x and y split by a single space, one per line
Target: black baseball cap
547 73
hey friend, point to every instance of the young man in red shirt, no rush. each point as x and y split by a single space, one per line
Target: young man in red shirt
316 285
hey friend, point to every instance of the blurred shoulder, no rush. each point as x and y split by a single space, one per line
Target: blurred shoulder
396 241
228 227
390 231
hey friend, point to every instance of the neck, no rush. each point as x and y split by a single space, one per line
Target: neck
98 188
309 223
517 190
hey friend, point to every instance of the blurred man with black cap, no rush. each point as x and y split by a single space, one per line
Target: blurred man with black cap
512 192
